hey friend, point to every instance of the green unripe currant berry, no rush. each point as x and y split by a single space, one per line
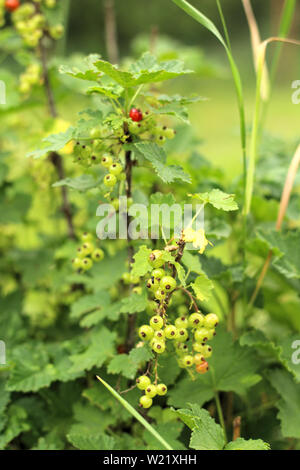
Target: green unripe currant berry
198 347
126 278
80 253
156 259
158 274
110 180
158 346
181 348
146 332
56 31
160 139
159 335
116 169
95 133
152 284
87 237
168 283
87 248
151 391
134 279
161 389
171 332
169 133
188 360
86 151
182 310
182 335
151 307
198 358
137 290
211 321
207 351
143 382
116 204
160 294
196 320
181 322
50 3
202 335
156 322
77 263
87 263
145 401
98 255
106 161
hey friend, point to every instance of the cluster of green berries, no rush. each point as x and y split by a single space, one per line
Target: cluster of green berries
115 171
87 254
151 390
146 124
160 330
31 77
161 284
30 20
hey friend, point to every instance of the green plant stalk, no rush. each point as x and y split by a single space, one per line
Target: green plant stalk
284 28
254 136
136 415
220 415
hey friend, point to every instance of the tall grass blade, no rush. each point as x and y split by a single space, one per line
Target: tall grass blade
256 41
256 118
135 414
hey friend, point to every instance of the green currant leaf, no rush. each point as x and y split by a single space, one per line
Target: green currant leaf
202 287
141 265
54 143
231 368
157 157
80 183
100 348
206 433
134 303
218 199
285 247
128 364
289 403
145 70
91 441
17 423
171 433
192 262
247 444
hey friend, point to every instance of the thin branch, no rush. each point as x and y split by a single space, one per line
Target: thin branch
111 32
237 422
55 158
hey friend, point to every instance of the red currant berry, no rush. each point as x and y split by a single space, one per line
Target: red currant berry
12 5
202 368
136 115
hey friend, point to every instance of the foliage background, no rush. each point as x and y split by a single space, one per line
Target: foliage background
55 345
